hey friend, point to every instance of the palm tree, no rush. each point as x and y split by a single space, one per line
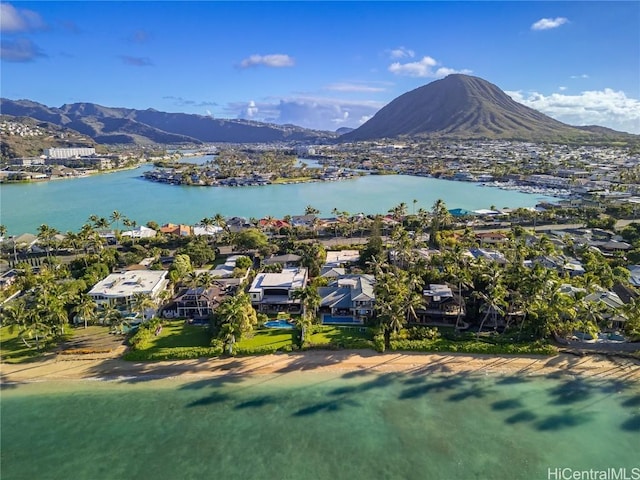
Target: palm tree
310 210
309 299
18 315
85 308
141 303
441 218
111 315
238 318
3 231
115 217
47 234
493 304
457 269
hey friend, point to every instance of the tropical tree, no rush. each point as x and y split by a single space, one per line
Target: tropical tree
238 318
111 315
310 210
309 299
493 303
141 303
85 308
440 219
46 235
251 239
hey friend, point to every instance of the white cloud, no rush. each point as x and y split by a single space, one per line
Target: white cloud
251 110
401 52
309 112
14 19
353 87
607 108
584 75
276 60
549 23
423 68
562 88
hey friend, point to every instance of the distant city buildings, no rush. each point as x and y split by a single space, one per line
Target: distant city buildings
69 152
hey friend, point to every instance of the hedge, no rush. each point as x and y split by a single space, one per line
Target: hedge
443 345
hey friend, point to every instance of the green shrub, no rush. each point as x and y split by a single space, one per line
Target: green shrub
378 343
473 346
146 332
423 333
173 353
263 349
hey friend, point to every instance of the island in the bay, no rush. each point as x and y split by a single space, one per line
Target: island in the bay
561 277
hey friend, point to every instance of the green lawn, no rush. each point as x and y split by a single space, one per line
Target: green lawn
268 340
345 337
177 341
12 349
177 333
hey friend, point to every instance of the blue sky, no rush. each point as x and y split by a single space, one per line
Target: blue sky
322 64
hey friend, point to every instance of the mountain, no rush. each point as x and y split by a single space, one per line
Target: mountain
130 126
462 106
27 137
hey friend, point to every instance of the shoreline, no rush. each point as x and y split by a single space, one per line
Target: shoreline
56 368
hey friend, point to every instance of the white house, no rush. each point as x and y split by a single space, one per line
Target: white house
140 232
341 257
119 289
271 292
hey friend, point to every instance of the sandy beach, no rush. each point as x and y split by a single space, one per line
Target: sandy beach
76 367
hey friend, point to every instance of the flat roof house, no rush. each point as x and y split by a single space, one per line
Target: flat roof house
119 289
271 292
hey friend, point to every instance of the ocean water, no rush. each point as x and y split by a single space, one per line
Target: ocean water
67 204
314 425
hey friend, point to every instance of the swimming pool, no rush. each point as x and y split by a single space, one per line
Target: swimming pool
328 319
278 324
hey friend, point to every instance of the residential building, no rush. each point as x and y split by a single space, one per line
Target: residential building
197 302
140 232
341 258
441 308
173 229
120 289
272 292
288 260
69 152
8 278
349 296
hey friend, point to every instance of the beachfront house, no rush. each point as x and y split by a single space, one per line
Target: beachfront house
441 307
272 292
347 299
196 302
120 289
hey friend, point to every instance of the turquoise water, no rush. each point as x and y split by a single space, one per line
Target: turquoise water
311 425
66 204
278 324
330 319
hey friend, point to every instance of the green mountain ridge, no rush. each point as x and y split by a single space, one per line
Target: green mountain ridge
110 125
